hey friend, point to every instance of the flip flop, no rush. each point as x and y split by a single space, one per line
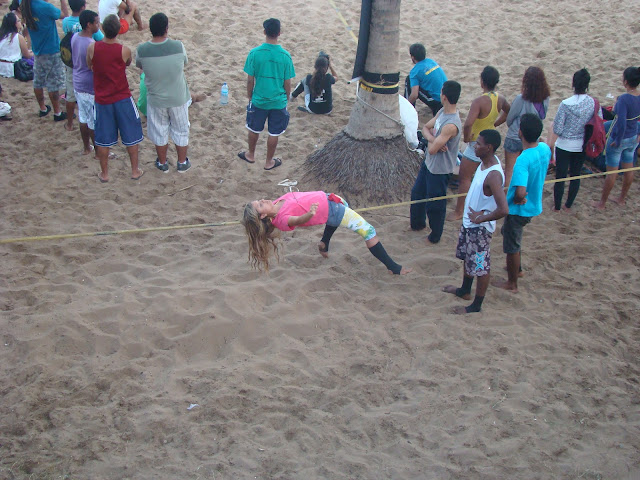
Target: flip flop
139 176
277 163
244 157
101 180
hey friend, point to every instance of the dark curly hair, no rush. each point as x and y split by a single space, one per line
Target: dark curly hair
534 85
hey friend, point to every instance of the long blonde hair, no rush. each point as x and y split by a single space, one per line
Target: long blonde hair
262 236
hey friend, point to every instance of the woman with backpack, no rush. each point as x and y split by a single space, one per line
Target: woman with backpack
13 45
568 137
623 138
533 99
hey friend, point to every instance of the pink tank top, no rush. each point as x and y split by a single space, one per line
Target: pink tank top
299 203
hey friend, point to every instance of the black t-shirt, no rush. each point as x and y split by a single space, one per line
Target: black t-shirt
323 103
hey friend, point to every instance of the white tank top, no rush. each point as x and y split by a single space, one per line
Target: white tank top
477 200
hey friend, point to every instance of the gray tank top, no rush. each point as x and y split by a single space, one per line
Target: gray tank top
444 162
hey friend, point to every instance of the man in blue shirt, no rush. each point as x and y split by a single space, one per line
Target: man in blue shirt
524 196
48 69
425 79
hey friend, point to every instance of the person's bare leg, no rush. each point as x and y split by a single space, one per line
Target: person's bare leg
70 107
627 180
39 92
134 14
467 169
55 102
272 143
136 173
103 155
252 141
609 182
182 153
509 162
86 138
513 268
161 152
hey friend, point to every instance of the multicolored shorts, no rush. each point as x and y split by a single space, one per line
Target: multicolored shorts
473 249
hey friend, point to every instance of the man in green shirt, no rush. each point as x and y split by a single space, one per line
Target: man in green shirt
270 69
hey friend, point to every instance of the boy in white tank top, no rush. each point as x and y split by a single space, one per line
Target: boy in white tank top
485 203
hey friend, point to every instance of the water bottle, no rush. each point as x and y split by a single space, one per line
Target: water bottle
224 94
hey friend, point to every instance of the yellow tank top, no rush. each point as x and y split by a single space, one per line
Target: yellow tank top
487 122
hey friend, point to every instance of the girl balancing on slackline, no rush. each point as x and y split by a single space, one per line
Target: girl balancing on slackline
304 209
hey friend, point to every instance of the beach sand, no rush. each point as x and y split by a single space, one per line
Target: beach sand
323 368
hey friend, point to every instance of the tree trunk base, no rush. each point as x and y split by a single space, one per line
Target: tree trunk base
366 172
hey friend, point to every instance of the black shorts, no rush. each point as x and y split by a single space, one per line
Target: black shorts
512 232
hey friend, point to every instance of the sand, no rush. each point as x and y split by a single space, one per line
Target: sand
323 368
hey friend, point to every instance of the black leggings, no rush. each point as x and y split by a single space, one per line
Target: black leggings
567 162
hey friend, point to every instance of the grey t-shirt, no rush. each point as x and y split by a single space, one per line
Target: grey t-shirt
163 64
444 162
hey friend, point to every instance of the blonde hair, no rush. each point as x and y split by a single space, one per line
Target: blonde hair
262 236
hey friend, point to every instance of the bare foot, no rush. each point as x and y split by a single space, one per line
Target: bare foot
103 179
599 205
454 290
68 127
505 285
555 211
137 174
429 242
323 250
87 152
454 216
197 97
621 202
520 273
566 209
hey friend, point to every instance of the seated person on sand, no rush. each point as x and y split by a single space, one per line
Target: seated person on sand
13 45
425 79
487 112
126 10
484 204
317 87
262 218
14 7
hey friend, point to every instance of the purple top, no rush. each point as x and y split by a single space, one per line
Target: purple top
82 74
627 110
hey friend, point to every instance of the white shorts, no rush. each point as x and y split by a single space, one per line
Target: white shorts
86 112
164 121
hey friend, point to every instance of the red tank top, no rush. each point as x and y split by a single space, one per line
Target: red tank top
109 77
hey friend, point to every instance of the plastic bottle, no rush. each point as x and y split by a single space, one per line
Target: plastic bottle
224 94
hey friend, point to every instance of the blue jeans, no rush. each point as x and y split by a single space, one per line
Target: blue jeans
429 185
623 153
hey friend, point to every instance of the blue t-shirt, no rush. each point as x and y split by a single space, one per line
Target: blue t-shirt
429 76
529 171
45 39
72 24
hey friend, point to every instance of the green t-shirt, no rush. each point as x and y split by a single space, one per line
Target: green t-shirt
270 65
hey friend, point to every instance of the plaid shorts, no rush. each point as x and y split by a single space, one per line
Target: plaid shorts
48 72
473 249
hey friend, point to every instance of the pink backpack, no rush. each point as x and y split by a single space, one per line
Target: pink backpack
595 137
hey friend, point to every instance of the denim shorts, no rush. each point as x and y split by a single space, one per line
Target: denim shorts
336 213
470 152
512 146
512 232
278 120
622 153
